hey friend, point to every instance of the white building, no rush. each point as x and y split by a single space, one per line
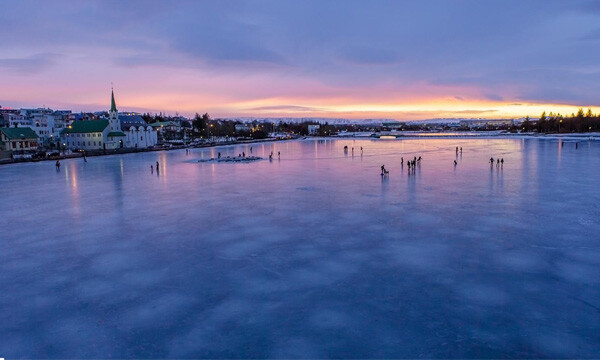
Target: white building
16 120
243 127
107 133
139 134
42 121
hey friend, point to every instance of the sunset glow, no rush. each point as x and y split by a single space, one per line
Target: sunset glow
241 60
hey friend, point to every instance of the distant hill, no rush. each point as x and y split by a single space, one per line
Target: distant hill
375 122
331 121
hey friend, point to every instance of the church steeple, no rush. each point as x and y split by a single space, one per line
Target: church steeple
113 106
113 115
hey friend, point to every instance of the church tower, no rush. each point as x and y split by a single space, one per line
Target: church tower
113 115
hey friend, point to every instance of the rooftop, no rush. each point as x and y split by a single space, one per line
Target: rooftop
86 126
19 133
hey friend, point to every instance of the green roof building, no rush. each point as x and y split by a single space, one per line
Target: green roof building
19 138
106 133
86 126
95 134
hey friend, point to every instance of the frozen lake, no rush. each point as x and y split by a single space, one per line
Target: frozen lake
314 255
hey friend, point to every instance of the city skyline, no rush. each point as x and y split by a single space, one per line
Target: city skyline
400 60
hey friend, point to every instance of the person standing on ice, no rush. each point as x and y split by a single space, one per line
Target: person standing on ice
492 161
151 169
455 163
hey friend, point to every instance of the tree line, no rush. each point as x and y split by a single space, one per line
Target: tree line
557 123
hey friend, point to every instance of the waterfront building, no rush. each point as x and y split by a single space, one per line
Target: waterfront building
313 129
17 140
88 135
139 134
43 122
14 119
244 128
486 123
163 126
107 133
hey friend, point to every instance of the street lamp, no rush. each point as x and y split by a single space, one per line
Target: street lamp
559 122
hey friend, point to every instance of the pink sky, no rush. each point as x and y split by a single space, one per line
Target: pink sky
399 60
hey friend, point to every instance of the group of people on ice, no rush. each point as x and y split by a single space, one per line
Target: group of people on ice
412 164
346 150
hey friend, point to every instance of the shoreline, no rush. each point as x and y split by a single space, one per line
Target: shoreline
95 153
593 136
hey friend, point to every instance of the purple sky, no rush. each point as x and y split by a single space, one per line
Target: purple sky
394 59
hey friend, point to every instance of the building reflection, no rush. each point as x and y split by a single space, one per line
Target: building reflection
72 180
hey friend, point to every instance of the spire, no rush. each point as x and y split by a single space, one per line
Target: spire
113 106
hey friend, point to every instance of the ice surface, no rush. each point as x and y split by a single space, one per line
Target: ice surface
313 255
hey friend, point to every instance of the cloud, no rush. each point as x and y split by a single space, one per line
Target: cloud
370 56
472 111
593 35
494 97
29 65
516 51
588 7
286 108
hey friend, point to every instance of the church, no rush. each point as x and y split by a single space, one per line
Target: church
108 134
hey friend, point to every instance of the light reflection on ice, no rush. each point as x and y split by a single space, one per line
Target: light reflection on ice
311 256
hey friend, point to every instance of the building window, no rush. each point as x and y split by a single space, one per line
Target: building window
99 143
94 143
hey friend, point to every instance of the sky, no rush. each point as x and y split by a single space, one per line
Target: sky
405 60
